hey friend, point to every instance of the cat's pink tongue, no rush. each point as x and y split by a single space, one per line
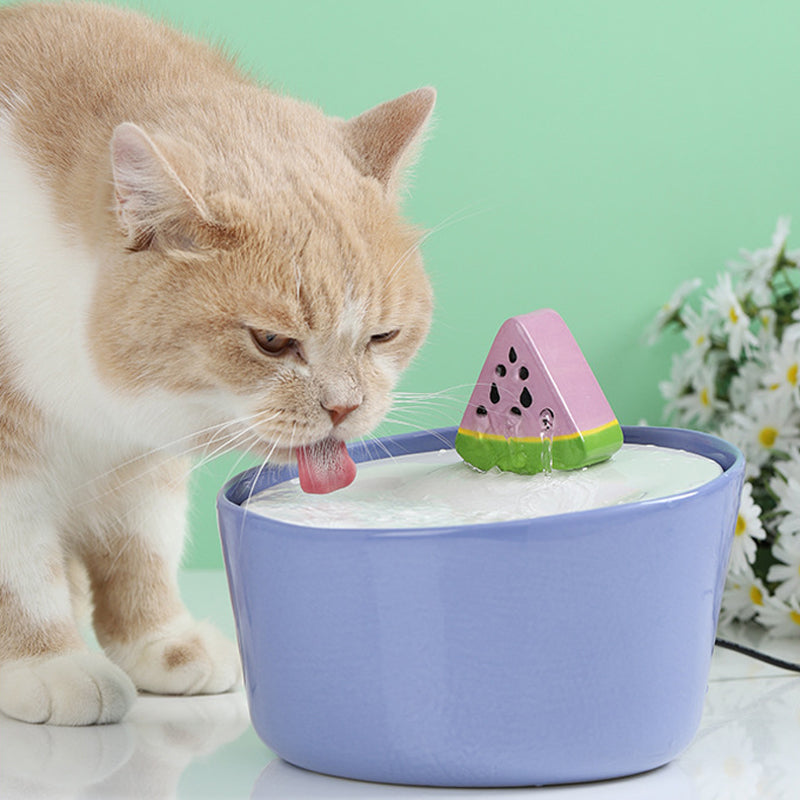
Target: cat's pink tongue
325 466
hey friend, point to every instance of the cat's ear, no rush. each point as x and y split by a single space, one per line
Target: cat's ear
152 188
385 139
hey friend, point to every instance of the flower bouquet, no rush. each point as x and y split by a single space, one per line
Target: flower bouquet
738 376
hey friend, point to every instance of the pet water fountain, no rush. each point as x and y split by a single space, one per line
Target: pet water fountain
553 649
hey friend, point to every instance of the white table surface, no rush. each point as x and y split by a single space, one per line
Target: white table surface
748 745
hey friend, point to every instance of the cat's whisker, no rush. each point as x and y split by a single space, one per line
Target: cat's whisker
127 542
135 508
371 438
233 441
393 420
451 219
414 422
437 401
448 407
423 400
439 393
246 441
266 460
247 423
415 413
460 215
438 436
261 470
246 453
229 444
422 396
419 402
166 448
456 218
213 438
424 405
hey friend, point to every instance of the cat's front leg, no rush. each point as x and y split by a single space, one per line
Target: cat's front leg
139 618
47 675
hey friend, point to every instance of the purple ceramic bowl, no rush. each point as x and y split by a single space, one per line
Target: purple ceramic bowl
560 649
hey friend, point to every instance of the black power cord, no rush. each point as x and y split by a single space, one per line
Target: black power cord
749 651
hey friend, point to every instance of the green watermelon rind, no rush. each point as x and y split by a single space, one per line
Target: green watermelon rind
524 456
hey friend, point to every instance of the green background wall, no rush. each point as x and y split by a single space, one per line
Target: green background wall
586 156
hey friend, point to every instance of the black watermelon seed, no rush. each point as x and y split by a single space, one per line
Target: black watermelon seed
481 411
523 373
525 398
494 395
515 410
512 355
500 370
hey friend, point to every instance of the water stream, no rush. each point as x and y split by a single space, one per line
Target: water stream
547 418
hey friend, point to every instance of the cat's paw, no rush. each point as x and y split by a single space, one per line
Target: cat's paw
183 657
78 688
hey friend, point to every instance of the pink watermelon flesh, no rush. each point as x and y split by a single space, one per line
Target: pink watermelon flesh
325 466
534 380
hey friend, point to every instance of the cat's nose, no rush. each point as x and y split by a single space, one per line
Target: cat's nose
338 413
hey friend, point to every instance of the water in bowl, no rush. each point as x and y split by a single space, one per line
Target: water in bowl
437 489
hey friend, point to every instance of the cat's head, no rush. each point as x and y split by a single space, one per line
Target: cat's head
275 283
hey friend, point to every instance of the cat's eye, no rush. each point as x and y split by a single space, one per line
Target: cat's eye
380 338
272 344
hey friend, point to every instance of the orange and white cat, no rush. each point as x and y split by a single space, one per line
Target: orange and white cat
185 258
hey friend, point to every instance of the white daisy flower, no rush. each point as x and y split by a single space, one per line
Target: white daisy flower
670 309
765 332
722 300
745 384
701 403
680 381
793 256
759 265
779 237
770 425
743 596
741 436
787 573
783 366
792 332
739 376
781 618
786 487
790 467
748 530
697 332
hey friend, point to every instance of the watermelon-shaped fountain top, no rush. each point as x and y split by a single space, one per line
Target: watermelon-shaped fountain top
537 404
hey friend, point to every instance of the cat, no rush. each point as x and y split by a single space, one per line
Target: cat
186 259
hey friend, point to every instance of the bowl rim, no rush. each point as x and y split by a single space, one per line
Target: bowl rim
726 454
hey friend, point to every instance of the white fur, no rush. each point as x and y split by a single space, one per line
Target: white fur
350 326
47 278
30 549
72 689
47 283
216 669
